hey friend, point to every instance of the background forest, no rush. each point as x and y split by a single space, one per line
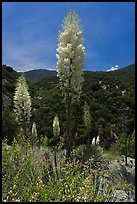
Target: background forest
110 95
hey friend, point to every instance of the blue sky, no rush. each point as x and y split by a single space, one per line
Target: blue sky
30 30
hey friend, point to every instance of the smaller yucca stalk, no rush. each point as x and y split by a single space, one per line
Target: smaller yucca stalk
93 141
22 104
87 119
56 128
34 133
56 132
97 140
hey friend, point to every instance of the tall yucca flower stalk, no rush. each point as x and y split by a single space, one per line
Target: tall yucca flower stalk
56 128
56 132
22 104
71 54
34 133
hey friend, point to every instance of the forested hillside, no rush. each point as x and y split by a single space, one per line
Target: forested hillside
110 96
38 74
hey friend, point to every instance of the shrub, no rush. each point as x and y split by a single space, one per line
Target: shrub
30 175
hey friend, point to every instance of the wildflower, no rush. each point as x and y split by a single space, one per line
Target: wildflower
71 54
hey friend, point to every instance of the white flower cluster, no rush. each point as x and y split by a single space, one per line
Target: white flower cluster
22 101
96 141
71 54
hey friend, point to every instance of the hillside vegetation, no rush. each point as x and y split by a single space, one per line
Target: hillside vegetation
96 172
107 93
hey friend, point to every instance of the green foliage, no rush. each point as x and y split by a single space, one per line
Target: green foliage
9 76
127 144
9 124
112 153
31 176
89 152
95 190
106 105
125 185
22 172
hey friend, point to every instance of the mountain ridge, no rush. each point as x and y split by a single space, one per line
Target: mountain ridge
36 75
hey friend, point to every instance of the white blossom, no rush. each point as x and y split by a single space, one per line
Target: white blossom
71 55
